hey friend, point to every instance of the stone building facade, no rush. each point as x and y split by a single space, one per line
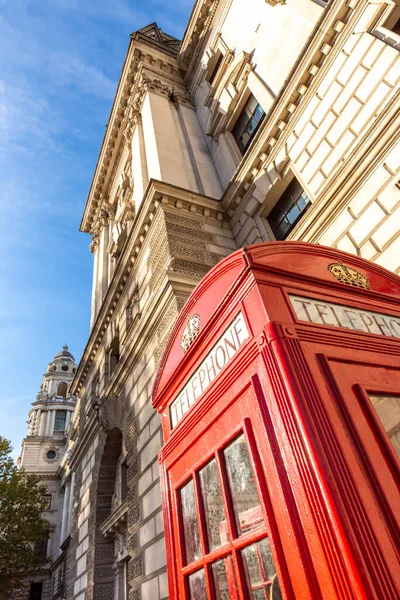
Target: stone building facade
45 453
269 120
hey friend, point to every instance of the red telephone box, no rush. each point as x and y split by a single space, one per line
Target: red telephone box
279 391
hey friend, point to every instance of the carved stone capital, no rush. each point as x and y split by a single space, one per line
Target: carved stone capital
94 243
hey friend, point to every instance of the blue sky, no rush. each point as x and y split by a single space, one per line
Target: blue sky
60 62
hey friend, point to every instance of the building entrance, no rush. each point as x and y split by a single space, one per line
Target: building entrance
279 391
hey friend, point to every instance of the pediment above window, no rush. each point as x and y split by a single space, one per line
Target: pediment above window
228 92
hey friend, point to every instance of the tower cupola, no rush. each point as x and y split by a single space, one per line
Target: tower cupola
52 411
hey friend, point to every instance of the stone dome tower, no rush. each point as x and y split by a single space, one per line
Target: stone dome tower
44 453
50 415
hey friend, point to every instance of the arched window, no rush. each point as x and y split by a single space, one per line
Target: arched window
62 389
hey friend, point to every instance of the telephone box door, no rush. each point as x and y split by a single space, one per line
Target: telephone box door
222 516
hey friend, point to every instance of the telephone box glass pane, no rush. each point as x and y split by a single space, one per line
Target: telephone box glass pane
246 502
197 585
388 409
221 586
213 506
260 571
190 523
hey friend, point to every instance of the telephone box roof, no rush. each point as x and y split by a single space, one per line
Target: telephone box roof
291 262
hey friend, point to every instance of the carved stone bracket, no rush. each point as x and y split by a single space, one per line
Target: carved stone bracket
104 412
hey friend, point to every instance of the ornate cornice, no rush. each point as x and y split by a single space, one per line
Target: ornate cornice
136 79
196 34
157 192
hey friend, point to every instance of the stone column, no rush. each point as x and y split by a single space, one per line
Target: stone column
31 425
50 422
120 580
103 271
36 430
43 423
67 419
95 248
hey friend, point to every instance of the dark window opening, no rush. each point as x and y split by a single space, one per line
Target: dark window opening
124 481
62 390
35 591
40 550
47 501
396 27
59 421
248 123
113 355
290 207
215 69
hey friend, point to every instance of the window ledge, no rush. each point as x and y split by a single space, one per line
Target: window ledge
387 36
322 3
117 521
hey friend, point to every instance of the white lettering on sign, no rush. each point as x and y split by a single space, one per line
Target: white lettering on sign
219 356
347 317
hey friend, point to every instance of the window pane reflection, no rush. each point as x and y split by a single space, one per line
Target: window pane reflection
213 506
245 498
197 586
260 571
247 123
221 585
190 523
388 409
288 210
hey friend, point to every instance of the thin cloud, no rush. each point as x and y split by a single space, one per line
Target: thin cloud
71 71
13 401
24 120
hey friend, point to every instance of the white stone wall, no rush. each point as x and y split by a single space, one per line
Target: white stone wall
370 225
338 120
352 95
273 37
82 500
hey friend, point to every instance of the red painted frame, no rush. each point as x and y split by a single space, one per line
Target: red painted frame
327 473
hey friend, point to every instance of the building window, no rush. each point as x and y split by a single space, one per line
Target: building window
47 498
35 591
290 207
59 421
40 550
215 69
62 389
51 454
248 123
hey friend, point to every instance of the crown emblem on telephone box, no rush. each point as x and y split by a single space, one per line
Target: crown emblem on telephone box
190 332
349 276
